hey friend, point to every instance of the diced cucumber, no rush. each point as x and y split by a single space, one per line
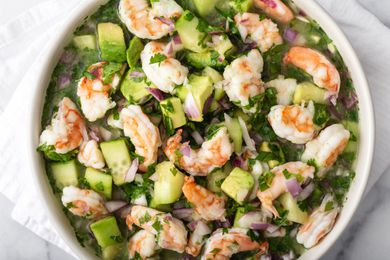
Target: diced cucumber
353 128
99 181
133 53
307 91
190 36
238 184
111 42
82 42
167 188
224 46
239 213
113 252
65 173
172 108
135 90
235 132
205 59
118 159
242 5
161 207
214 75
205 7
295 214
106 232
215 179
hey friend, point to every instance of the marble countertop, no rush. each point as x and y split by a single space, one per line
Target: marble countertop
366 236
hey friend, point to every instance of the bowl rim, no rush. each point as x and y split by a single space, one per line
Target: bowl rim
50 57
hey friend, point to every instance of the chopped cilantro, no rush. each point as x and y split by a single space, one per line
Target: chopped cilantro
51 154
282 220
289 175
216 251
157 58
117 239
212 130
174 171
265 180
189 16
329 206
109 70
225 231
99 186
321 114
253 235
145 218
157 226
168 106
88 75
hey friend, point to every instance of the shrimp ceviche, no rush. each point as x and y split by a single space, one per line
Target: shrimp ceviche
192 129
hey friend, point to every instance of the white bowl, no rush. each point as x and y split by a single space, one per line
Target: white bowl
51 55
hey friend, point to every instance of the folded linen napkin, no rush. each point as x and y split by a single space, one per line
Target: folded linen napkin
20 47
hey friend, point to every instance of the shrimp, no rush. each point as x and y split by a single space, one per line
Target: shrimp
285 89
90 155
143 134
197 238
276 9
207 204
214 153
143 243
242 79
324 73
222 245
94 93
171 232
327 146
294 123
67 130
83 203
264 33
278 184
148 22
319 224
168 73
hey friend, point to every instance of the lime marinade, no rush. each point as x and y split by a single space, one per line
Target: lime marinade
109 236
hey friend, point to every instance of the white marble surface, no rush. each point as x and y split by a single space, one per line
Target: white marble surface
365 238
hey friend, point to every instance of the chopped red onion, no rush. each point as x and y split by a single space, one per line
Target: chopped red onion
94 133
264 226
183 213
156 93
243 21
64 80
207 104
333 111
164 20
293 187
190 107
114 205
186 150
169 49
290 35
270 3
249 218
176 39
192 225
349 101
168 217
333 99
130 175
202 228
256 137
125 211
179 204
239 162
68 57
95 72
137 74
197 137
305 193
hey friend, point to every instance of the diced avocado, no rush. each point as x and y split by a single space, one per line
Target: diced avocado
99 181
295 214
134 89
215 76
106 232
118 159
133 53
202 60
113 252
224 46
173 109
215 179
264 147
235 133
239 213
167 188
190 36
161 207
307 91
205 7
242 5
65 173
82 42
111 42
238 184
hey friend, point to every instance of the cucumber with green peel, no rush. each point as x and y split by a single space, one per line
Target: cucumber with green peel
241 6
99 181
239 213
113 252
353 128
214 75
235 132
117 157
82 42
190 36
215 179
307 91
160 207
205 7
295 214
167 188
65 174
106 232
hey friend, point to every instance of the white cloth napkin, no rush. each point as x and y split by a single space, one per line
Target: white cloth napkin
22 39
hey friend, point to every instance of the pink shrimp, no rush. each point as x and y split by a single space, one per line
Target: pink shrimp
276 9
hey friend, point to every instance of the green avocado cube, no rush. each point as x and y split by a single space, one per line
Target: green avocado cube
295 214
307 91
173 109
191 37
133 53
238 184
99 181
82 42
106 232
135 89
111 42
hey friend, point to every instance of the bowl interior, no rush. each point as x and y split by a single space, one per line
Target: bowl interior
51 55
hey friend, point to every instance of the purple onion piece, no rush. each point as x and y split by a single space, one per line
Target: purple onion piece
197 137
115 205
176 39
192 225
270 3
67 57
350 101
333 111
183 213
137 74
156 93
290 35
130 174
64 80
306 192
293 187
179 204
207 104
256 137
190 107
125 211
239 162
186 150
